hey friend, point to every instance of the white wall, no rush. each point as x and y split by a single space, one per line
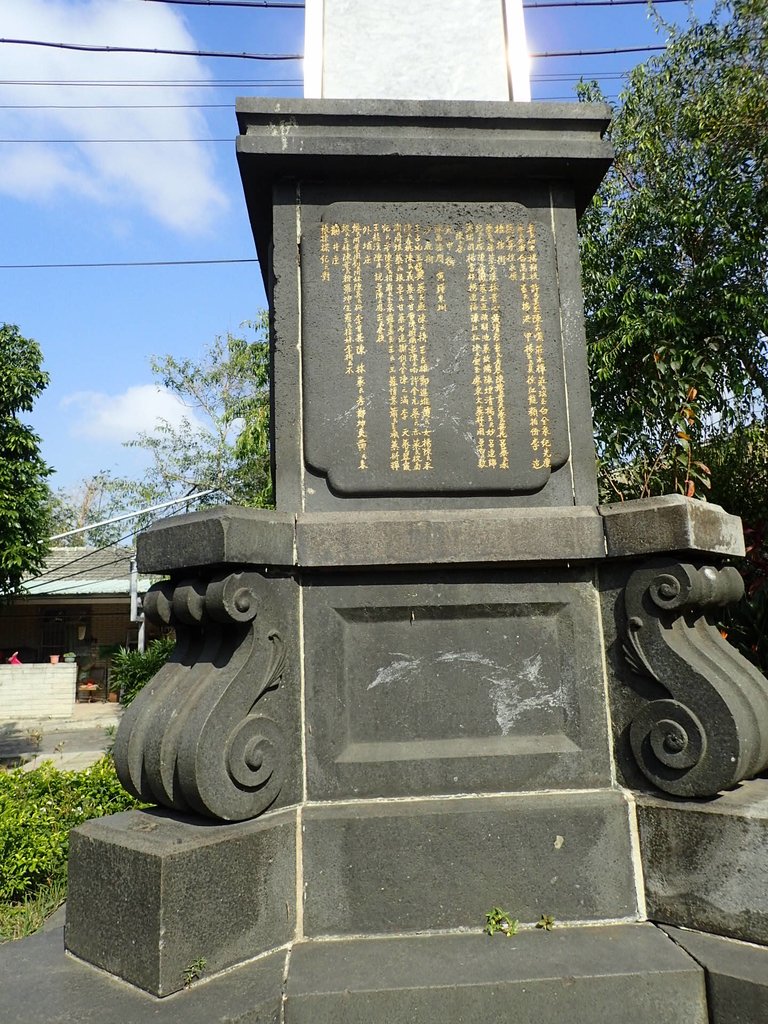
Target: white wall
37 691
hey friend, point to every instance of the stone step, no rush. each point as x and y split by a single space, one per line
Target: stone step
633 973
598 975
737 975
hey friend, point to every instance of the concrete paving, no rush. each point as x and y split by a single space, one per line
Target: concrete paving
71 744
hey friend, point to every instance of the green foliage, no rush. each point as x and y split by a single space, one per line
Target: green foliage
498 920
132 670
18 920
746 624
674 255
739 464
194 971
24 518
546 922
37 810
225 443
739 461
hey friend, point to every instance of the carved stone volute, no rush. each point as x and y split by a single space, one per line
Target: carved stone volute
712 730
202 737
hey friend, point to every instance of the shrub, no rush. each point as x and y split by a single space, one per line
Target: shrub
37 810
132 670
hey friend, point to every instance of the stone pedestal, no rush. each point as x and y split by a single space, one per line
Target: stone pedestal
427 683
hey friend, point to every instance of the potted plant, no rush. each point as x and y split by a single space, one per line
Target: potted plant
69 657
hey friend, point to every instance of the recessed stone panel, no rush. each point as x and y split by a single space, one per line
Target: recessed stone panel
432 352
452 686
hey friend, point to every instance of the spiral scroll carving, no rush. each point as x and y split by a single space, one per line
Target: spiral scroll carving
712 730
204 735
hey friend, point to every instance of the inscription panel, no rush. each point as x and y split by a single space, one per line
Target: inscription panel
432 357
452 687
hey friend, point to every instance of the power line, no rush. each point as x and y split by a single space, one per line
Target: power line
285 4
281 56
93 48
115 106
528 6
148 83
598 53
218 83
133 515
131 263
599 3
108 142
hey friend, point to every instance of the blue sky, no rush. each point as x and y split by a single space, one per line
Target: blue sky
71 201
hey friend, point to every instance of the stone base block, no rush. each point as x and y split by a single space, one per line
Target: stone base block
422 865
632 973
737 976
154 897
705 862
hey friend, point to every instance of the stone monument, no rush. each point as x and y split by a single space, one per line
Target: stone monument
438 678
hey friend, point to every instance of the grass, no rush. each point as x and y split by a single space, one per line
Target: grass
19 920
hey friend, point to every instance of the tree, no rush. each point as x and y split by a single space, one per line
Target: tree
92 500
224 444
24 516
674 256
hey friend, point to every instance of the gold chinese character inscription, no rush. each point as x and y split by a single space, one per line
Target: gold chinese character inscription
410 265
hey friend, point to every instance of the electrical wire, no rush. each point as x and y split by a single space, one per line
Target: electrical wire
598 53
269 4
115 106
93 48
89 142
65 575
287 83
598 3
284 56
130 263
265 4
49 575
300 6
172 83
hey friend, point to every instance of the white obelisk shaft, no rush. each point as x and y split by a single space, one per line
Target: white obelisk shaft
416 49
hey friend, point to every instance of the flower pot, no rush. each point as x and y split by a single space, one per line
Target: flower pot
69 661
112 697
54 659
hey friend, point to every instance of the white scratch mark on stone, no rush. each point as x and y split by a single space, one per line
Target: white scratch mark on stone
344 416
558 843
471 656
505 694
394 671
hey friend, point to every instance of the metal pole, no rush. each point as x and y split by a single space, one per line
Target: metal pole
133 515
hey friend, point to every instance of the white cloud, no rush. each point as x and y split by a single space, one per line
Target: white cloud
118 418
175 183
